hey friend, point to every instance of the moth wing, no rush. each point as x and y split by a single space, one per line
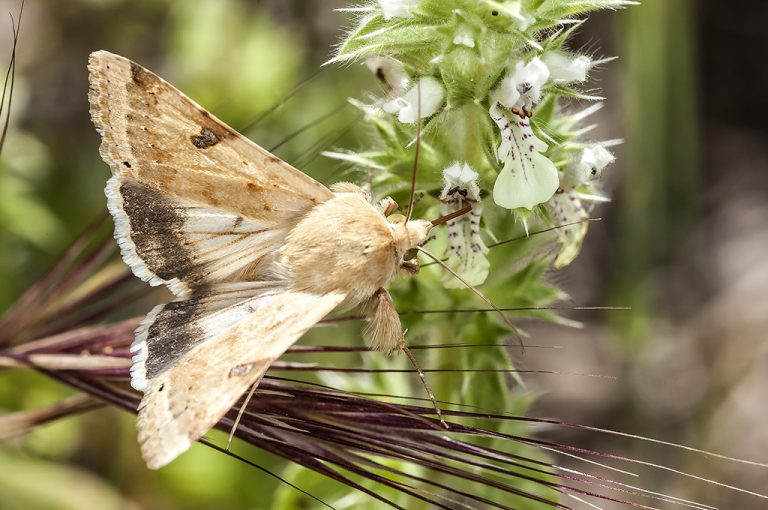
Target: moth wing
155 135
190 389
176 160
175 241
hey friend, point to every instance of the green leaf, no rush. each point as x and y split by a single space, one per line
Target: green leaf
419 41
562 9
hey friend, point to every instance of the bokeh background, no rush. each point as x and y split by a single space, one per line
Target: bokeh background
683 242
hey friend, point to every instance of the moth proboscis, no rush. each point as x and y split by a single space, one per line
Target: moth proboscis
255 251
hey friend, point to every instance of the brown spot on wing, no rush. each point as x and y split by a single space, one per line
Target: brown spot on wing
207 138
148 123
141 76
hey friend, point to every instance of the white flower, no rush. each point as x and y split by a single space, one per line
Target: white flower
464 35
466 249
567 69
566 208
390 71
521 89
460 180
432 94
528 178
397 8
589 167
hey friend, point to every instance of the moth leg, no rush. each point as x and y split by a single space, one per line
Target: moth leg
240 413
410 266
383 331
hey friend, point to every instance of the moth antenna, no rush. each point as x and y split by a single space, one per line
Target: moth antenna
477 292
416 153
404 348
455 214
240 414
538 232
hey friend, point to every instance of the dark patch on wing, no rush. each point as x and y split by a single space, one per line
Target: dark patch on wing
157 232
206 138
172 335
177 329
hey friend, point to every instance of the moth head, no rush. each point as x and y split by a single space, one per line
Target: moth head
408 234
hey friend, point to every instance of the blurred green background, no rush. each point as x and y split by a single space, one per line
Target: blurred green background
683 242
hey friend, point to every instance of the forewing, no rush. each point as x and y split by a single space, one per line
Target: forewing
189 387
174 241
155 135
171 161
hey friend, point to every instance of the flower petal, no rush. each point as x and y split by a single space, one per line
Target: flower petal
390 71
466 249
458 177
464 35
567 69
522 88
567 208
432 95
589 167
397 8
528 178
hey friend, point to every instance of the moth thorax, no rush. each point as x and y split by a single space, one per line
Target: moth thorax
411 234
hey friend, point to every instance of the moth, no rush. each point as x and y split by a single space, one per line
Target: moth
255 251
